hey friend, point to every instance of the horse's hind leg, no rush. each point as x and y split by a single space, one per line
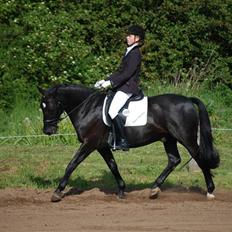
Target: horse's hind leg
209 183
174 159
110 161
194 151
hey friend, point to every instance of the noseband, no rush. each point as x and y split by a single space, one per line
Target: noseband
51 122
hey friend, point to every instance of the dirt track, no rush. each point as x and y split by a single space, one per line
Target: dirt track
93 210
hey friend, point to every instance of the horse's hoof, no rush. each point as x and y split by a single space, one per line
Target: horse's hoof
57 197
210 196
155 193
121 195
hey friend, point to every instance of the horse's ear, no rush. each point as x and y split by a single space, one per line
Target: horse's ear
41 90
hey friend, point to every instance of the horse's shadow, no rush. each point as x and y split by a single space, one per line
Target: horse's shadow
106 183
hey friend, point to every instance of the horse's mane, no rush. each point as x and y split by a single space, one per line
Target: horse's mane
71 86
93 97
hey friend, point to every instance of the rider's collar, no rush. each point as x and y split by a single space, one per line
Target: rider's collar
130 48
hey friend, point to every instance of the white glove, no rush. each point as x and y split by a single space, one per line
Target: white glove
98 84
106 84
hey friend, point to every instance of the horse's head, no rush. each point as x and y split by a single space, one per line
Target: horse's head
52 109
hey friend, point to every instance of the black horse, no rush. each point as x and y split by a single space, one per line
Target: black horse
171 119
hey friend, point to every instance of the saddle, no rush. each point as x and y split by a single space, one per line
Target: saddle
133 113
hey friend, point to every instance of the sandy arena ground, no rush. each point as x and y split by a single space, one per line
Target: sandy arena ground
176 209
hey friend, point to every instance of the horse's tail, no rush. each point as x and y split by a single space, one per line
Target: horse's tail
209 157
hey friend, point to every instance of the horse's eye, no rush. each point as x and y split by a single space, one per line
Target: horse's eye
44 105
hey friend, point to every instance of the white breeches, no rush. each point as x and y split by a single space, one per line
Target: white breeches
118 102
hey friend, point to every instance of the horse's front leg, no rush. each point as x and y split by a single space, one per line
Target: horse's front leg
79 156
110 161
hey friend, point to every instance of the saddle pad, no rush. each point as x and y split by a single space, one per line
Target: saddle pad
136 113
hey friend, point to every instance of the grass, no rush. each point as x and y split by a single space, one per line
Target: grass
42 167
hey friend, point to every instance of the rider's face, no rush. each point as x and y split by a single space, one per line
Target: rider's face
131 39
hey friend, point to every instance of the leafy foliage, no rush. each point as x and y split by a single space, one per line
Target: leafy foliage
50 42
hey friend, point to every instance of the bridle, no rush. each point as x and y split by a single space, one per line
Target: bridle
54 121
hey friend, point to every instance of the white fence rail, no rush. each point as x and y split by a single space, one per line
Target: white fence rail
74 134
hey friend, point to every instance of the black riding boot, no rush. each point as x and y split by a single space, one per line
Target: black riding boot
120 134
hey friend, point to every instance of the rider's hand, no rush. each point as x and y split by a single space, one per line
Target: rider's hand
106 84
98 84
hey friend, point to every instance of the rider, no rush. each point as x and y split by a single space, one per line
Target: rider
125 80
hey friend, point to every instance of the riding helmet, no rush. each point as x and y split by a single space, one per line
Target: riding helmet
136 30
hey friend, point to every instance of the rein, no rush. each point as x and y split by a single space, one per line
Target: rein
67 114
185 164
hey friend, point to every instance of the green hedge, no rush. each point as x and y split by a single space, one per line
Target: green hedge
50 42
